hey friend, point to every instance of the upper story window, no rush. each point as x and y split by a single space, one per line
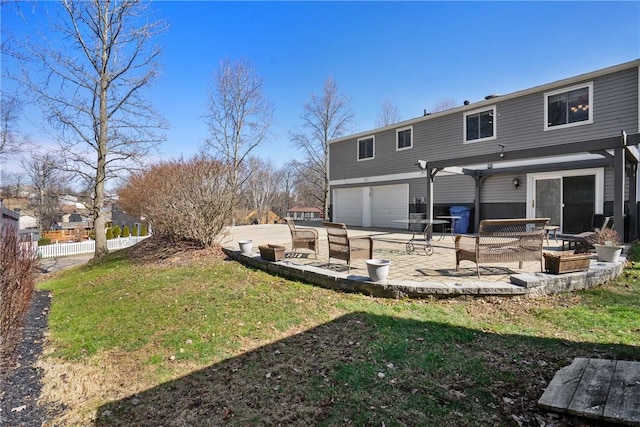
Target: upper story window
568 107
480 125
366 147
404 138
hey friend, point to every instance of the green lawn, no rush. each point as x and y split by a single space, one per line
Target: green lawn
209 342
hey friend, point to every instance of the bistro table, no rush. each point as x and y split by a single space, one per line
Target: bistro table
453 219
428 223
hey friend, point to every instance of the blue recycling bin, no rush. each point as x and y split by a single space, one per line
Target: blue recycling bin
462 225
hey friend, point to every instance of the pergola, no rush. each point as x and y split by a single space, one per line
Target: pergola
620 152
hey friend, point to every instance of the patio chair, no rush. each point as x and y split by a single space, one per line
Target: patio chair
302 237
347 248
579 240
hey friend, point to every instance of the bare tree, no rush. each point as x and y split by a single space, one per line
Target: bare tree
388 115
17 181
10 107
286 185
443 105
48 180
91 88
261 187
325 117
238 115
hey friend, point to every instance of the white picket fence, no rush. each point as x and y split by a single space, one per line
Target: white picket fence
67 249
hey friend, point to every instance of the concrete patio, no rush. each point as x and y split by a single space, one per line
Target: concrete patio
411 275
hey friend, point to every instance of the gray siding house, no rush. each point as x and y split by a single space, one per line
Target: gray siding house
566 150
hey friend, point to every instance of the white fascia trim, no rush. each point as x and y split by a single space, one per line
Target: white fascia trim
379 178
478 105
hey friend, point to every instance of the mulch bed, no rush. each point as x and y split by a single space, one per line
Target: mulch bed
20 382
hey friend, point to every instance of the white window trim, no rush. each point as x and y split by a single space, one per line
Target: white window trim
563 90
410 146
480 110
358 148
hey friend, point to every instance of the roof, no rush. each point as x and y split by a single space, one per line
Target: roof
493 99
305 209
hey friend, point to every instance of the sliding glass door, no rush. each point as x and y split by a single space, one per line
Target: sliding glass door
569 198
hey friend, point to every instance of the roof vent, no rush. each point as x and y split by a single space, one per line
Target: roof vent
491 96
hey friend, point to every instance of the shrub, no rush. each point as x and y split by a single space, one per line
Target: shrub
134 231
109 233
144 231
185 199
44 241
17 280
125 231
606 236
117 231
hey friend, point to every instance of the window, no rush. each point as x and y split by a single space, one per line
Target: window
365 148
568 107
404 138
480 125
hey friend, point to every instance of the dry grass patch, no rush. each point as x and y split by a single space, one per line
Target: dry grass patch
189 338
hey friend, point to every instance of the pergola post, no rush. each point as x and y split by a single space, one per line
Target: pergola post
476 216
618 189
429 215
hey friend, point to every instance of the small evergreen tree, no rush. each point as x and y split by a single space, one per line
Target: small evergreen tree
109 233
117 231
135 230
144 231
125 231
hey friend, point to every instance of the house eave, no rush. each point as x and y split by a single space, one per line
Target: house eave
491 101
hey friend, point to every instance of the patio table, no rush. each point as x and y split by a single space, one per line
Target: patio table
453 219
412 243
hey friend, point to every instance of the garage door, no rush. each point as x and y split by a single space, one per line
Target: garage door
389 202
347 205
374 206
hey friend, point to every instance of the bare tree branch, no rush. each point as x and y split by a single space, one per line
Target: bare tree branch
388 115
91 88
325 117
238 115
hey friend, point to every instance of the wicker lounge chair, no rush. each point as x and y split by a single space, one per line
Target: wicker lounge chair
347 248
579 240
302 237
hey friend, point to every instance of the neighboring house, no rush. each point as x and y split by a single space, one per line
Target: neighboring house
121 218
9 218
268 218
562 150
305 213
28 222
69 201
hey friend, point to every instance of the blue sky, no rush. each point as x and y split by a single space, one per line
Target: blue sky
412 53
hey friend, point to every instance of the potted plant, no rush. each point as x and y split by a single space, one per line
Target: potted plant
607 243
378 269
245 246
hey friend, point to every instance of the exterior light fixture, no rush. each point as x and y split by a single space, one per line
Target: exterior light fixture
516 182
422 164
501 150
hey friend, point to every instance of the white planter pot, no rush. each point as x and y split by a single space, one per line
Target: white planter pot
245 246
378 269
608 253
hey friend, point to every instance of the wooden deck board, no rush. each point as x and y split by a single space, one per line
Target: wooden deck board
624 397
596 388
